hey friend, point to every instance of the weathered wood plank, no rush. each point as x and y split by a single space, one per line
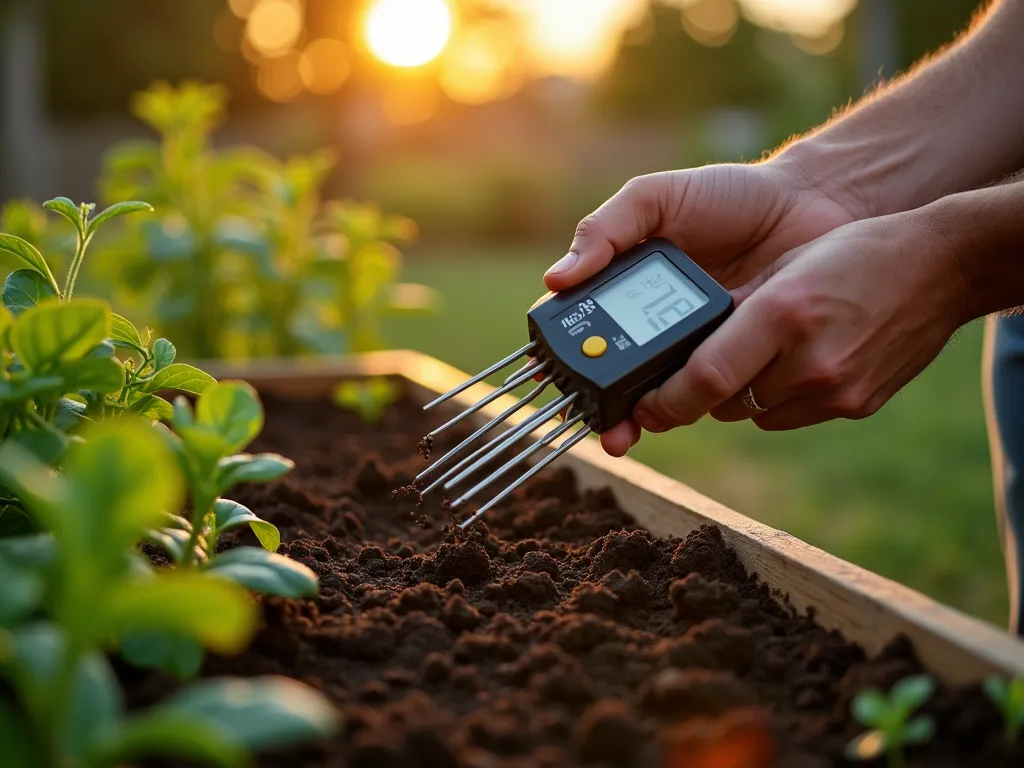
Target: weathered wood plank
868 609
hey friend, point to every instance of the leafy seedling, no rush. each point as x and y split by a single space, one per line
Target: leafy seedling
227 417
68 595
1008 697
59 354
889 719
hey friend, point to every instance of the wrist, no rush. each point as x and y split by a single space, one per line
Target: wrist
979 237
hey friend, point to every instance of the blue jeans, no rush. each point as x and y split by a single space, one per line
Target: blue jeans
1003 369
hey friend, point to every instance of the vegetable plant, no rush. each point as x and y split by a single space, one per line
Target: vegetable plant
1008 697
68 596
888 718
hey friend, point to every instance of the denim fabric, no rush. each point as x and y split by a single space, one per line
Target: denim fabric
1003 370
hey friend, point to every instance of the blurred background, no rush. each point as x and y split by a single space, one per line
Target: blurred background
416 155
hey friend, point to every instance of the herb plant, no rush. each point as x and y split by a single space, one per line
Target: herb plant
68 597
889 719
1008 697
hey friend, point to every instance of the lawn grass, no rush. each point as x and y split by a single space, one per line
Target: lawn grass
906 493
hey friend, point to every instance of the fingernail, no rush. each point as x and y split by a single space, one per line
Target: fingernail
648 421
564 264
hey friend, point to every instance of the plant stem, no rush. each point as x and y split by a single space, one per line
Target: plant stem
895 755
203 506
76 264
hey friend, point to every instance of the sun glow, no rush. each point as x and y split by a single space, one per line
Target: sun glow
408 33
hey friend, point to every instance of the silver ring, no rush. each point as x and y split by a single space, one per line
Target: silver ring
751 403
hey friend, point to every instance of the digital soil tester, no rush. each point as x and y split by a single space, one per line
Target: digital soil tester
603 344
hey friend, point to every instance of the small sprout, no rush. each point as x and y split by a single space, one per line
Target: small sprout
1008 698
888 719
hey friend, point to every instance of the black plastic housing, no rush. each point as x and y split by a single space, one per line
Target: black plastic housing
610 386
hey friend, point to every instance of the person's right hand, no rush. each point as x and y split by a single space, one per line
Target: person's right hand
733 220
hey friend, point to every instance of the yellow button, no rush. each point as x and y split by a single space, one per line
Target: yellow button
595 346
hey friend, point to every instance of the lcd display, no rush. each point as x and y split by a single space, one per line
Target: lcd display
650 298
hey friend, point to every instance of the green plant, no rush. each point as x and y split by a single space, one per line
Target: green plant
889 720
246 259
227 417
1008 697
68 597
59 353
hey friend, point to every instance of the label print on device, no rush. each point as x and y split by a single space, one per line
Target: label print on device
650 298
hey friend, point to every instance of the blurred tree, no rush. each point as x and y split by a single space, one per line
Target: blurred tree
662 71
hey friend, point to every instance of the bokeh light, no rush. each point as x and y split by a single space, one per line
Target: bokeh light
408 33
242 8
710 22
274 26
278 79
324 66
809 18
481 65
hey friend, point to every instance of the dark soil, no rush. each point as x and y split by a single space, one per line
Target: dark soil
554 633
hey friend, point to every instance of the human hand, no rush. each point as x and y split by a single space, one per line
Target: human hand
831 330
733 220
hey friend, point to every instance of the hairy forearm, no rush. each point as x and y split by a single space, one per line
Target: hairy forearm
980 235
955 122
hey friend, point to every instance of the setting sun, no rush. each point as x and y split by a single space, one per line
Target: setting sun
408 33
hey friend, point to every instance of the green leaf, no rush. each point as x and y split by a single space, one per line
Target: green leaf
94 704
230 514
34 552
261 712
51 334
911 692
37 650
47 445
34 483
15 735
247 468
21 594
264 572
167 733
30 255
233 410
869 707
163 353
70 413
218 614
179 655
94 374
919 730
867 746
182 412
18 390
182 377
67 209
124 333
103 351
125 479
24 289
117 209
153 407
171 540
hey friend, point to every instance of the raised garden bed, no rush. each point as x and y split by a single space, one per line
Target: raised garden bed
603 614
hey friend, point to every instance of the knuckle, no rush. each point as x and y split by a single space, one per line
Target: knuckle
792 313
588 227
823 374
847 403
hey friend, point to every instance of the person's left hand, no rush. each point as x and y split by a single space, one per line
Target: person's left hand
833 329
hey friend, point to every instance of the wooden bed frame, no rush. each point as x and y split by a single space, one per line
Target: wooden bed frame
866 608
